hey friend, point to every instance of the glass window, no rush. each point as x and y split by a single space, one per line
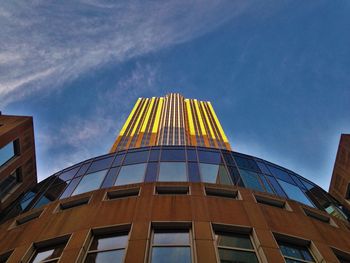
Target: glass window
5 256
209 157
251 180
295 253
172 246
48 253
110 178
228 158
68 175
275 185
266 184
173 155
235 248
151 172
213 173
9 182
154 155
7 152
263 168
107 248
118 160
42 201
193 172
295 193
131 174
101 164
172 171
234 173
136 157
27 198
90 182
191 155
280 174
246 163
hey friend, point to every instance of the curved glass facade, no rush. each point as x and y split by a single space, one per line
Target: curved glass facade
176 164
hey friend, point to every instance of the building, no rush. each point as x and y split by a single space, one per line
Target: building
172 190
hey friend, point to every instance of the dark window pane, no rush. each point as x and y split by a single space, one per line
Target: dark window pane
115 256
109 242
110 178
131 174
27 198
246 163
213 173
295 193
193 172
228 159
297 181
42 201
263 168
234 240
48 253
251 180
192 155
171 255
280 174
136 157
308 185
90 182
151 172
173 155
278 189
101 164
233 256
295 251
171 238
172 171
266 184
118 160
209 157
154 155
68 175
234 174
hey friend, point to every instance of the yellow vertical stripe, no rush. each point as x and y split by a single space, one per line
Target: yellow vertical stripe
207 120
190 118
217 122
126 124
159 111
149 110
200 118
139 118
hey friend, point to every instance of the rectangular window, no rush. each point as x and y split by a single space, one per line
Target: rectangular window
251 180
131 174
48 251
24 219
211 191
270 201
75 203
111 195
11 181
235 247
342 256
295 193
90 182
214 173
7 152
316 215
294 253
172 190
171 245
107 247
172 171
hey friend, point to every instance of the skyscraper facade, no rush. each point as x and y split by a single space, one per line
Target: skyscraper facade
172 190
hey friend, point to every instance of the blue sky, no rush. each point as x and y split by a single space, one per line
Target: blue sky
277 73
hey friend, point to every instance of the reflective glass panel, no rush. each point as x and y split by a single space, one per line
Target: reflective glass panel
101 164
235 240
234 173
228 159
6 153
114 256
295 252
232 256
246 163
154 155
83 169
280 174
42 201
172 171
295 193
70 188
118 160
212 173
151 172
193 172
278 189
136 157
27 198
192 155
173 155
109 242
251 180
209 157
90 182
131 174
171 255
171 238
263 168
110 178
266 184
68 175
52 252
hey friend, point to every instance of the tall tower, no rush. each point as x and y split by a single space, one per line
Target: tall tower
171 120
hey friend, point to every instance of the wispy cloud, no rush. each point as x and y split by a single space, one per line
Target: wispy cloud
44 44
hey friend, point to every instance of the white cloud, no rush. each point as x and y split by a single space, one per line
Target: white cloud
46 43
